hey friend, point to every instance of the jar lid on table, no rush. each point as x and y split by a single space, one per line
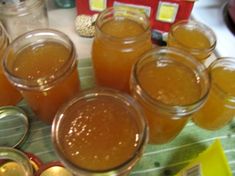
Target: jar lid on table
14 126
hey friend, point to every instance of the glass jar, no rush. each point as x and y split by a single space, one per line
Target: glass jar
8 94
193 37
100 132
219 109
19 17
65 3
42 65
170 85
121 36
14 162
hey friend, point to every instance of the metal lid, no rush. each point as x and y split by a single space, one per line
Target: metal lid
14 126
52 169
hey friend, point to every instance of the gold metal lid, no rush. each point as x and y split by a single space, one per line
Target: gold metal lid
52 169
14 126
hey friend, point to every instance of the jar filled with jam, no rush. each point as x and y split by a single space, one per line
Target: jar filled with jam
121 36
100 132
219 109
193 37
8 94
170 85
42 65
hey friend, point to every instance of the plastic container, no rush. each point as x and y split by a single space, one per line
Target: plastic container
100 132
170 85
42 64
121 36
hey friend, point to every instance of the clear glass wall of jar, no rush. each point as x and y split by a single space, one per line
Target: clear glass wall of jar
21 16
219 109
121 36
8 94
170 85
42 65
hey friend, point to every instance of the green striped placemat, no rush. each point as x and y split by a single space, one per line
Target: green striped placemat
158 160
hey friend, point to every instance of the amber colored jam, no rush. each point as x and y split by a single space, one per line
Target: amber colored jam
220 106
113 55
35 63
191 40
8 94
98 133
171 84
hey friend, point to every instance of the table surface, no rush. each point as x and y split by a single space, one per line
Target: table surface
157 160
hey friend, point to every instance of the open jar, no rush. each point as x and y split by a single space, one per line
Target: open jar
42 65
19 17
100 132
121 36
170 85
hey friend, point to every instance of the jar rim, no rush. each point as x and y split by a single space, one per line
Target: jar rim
90 94
110 11
180 110
64 69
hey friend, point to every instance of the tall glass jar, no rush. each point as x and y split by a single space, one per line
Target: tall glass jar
100 132
8 94
170 85
219 109
21 16
42 65
121 36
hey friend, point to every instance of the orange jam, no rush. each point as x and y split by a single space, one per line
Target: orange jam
117 45
8 94
169 88
39 65
192 37
220 106
100 132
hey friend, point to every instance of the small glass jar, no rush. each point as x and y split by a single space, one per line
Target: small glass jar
100 132
65 3
121 36
19 17
8 94
170 85
219 109
14 162
193 37
42 65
